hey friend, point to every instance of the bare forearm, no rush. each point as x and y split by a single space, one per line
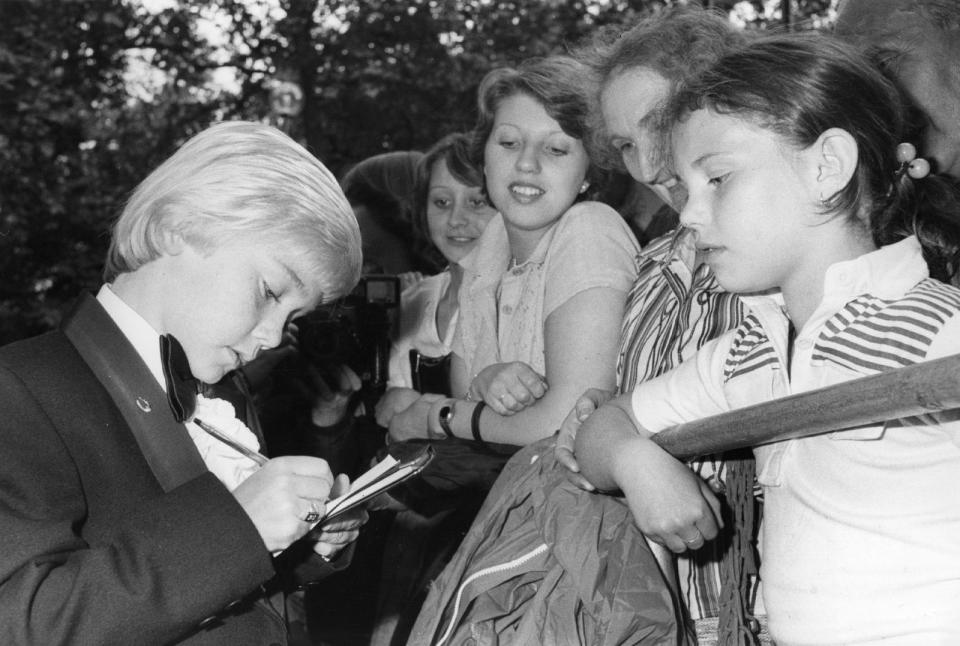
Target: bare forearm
522 428
539 420
603 441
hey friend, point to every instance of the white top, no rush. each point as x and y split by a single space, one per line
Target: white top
417 328
861 528
503 309
228 464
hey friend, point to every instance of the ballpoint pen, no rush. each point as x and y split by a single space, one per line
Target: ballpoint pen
259 458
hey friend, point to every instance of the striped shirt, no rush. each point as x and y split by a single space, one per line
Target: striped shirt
672 310
861 527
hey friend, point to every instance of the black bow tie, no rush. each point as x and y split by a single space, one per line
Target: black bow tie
182 386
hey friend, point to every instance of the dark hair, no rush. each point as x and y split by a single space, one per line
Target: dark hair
896 33
454 150
800 85
678 43
384 184
558 83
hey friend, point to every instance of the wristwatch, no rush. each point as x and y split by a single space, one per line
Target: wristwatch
446 416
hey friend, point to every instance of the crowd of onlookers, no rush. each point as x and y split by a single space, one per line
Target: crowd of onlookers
667 223
502 319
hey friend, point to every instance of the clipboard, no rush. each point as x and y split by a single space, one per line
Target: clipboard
401 463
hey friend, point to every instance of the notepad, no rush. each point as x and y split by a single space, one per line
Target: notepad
404 461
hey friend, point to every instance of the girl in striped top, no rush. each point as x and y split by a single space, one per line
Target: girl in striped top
802 201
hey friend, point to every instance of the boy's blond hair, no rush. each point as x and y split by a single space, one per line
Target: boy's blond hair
242 180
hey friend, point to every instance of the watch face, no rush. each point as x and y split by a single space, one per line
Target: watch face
446 414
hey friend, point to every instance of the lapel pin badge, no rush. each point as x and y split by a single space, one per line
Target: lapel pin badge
143 405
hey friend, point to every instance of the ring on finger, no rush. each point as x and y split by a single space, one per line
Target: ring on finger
691 541
312 516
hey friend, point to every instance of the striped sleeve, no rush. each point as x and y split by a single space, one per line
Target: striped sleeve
871 335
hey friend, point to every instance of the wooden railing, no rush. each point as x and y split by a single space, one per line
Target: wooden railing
921 388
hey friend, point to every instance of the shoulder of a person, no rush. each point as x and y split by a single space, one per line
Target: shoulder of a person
933 299
43 349
588 214
593 221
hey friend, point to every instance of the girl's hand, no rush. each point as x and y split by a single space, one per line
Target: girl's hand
414 421
586 404
508 388
394 401
409 278
670 503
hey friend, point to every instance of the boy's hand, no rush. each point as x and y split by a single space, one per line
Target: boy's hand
279 497
394 401
332 537
670 503
588 402
508 388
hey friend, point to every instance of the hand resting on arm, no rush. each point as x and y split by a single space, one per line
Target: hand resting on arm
508 388
566 438
670 504
580 339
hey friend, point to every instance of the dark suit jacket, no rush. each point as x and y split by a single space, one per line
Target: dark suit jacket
112 531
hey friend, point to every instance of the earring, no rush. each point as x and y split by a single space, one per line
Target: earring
584 187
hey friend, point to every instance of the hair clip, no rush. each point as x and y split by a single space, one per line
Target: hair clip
915 167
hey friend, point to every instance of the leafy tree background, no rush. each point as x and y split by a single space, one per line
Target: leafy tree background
77 132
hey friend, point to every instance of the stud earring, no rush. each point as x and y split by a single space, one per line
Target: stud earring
584 187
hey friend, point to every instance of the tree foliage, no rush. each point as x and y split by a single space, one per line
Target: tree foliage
74 142
77 132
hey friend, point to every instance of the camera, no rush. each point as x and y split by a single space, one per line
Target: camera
355 331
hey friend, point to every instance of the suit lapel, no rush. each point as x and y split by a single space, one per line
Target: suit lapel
165 444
